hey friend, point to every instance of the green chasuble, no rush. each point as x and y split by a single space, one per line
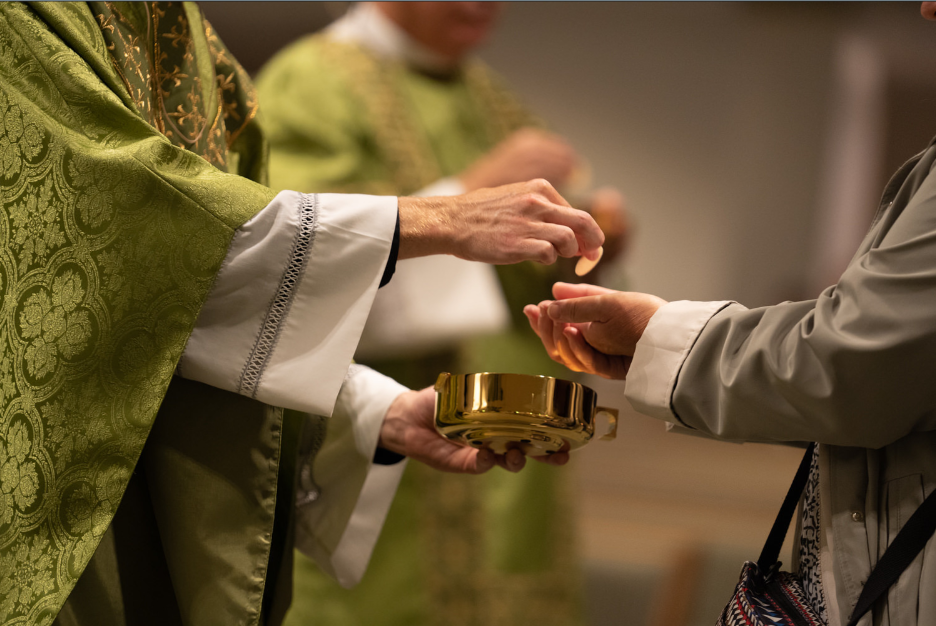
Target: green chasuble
119 123
455 549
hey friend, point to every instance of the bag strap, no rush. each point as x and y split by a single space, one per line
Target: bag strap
771 552
903 549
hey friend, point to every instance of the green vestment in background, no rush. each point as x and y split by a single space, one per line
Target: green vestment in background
455 549
119 124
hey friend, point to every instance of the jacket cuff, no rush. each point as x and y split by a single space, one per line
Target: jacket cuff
661 352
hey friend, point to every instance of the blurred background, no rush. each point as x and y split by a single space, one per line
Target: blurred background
752 141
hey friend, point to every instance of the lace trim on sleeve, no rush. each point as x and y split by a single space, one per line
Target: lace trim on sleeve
278 311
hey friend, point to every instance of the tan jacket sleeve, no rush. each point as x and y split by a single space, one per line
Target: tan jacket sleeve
855 367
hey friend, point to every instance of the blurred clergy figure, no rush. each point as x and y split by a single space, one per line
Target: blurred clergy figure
387 100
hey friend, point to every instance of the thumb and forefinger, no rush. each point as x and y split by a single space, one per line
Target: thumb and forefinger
586 229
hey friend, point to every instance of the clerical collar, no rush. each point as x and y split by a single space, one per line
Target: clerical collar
366 26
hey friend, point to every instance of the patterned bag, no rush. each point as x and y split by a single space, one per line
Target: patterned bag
765 596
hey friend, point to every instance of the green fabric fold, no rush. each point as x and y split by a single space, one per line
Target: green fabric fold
117 214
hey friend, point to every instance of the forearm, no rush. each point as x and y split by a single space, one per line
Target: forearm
425 226
853 367
787 373
520 222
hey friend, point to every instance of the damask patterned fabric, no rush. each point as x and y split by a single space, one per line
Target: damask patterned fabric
118 123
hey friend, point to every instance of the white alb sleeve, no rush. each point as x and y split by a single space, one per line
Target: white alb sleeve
342 504
285 314
660 353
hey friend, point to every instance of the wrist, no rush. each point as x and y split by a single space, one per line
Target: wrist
395 426
650 304
424 226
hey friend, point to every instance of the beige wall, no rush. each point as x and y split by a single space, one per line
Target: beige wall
709 117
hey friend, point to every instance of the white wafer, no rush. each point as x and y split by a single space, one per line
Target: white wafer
586 265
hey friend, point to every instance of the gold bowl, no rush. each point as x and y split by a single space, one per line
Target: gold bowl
537 414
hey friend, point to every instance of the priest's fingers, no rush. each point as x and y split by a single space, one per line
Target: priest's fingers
484 460
450 457
562 238
564 291
557 459
549 192
472 461
586 230
549 206
538 250
513 460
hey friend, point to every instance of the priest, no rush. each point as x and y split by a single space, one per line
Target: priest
178 408
390 99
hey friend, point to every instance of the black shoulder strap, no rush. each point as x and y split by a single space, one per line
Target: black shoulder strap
906 545
771 552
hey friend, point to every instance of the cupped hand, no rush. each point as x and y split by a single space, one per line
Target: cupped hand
592 329
520 222
526 154
408 429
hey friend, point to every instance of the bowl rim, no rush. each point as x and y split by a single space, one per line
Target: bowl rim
448 375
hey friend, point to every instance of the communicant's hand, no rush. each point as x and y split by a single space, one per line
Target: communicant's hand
526 154
593 329
521 222
408 430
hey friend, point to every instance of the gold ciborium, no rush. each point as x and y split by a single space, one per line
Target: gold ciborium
537 414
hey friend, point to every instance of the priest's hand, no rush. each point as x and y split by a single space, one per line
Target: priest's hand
526 154
521 222
608 207
408 430
592 329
